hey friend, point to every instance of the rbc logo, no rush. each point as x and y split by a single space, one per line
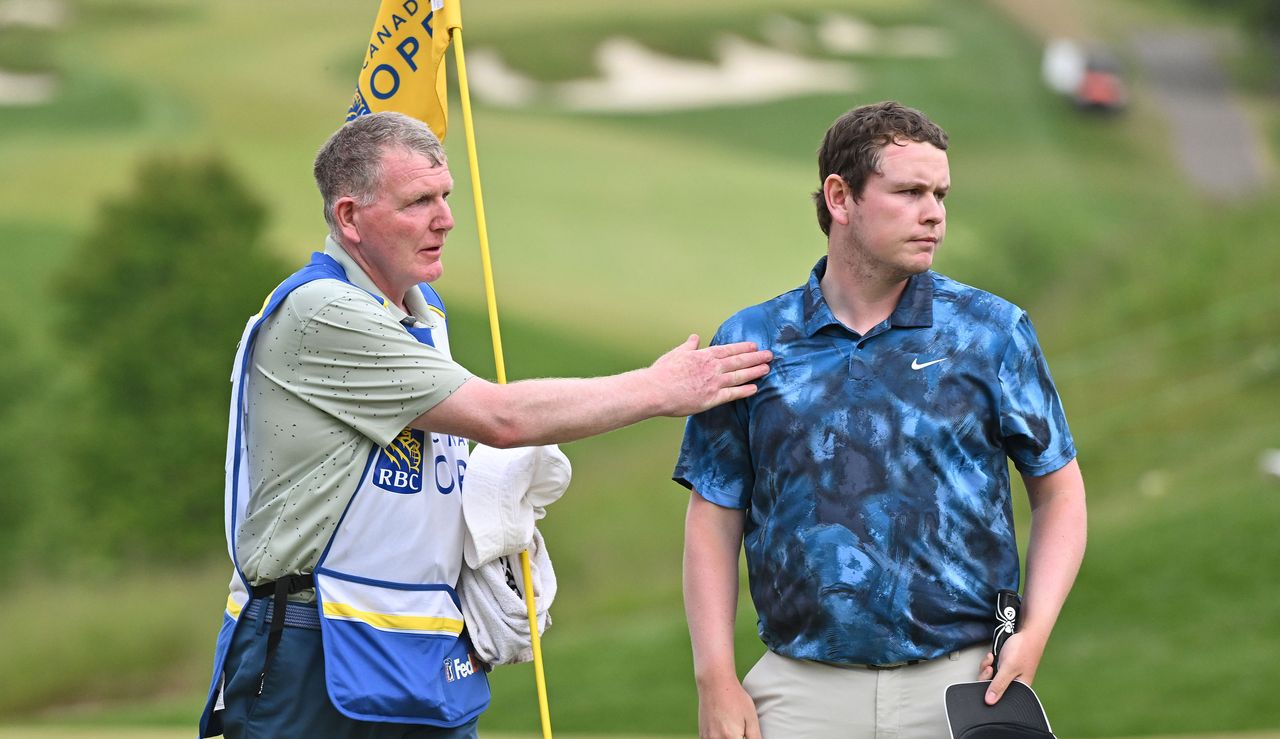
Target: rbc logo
399 465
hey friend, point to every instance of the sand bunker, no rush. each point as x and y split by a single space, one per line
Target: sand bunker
21 88
636 79
33 13
26 89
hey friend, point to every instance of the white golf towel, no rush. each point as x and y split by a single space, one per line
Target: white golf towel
493 606
507 491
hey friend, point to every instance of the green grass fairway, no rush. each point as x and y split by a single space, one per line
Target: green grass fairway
65 732
616 236
37 731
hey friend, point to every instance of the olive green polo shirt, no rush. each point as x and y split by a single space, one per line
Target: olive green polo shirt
333 375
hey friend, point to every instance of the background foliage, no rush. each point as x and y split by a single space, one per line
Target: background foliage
154 300
131 274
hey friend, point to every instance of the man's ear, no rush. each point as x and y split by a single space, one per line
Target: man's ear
344 212
839 197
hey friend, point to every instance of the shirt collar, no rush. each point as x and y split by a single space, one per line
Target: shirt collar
413 300
915 307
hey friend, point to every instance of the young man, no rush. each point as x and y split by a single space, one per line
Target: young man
347 450
867 479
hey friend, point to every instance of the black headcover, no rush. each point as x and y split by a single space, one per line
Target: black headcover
1018 714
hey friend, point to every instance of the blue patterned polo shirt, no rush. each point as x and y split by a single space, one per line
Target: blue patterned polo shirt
873 468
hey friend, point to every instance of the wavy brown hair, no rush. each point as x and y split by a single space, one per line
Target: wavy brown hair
854 144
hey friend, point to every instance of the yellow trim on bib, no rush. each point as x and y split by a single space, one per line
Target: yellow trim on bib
265 300
437 310
393 621
233 607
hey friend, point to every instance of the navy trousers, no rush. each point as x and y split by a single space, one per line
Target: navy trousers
294 700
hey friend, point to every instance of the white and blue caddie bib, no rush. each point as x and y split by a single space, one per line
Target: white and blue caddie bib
394 645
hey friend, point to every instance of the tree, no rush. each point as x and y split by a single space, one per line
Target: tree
156 298
17 378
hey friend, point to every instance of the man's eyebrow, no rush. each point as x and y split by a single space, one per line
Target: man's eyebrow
917 182
426 192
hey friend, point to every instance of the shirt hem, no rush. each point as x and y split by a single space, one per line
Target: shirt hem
1050 466
723 500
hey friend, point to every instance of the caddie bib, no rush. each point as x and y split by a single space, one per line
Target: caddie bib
395 649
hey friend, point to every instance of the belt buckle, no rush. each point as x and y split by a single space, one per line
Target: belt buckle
893 665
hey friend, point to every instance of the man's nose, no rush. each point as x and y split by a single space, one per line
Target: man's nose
444 222
934 211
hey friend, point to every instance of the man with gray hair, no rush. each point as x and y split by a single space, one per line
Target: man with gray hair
347 451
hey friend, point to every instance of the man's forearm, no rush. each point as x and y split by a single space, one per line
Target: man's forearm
713 537
1058 531
1056 547
558 410
684 381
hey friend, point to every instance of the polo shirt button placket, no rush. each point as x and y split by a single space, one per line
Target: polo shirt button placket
858 370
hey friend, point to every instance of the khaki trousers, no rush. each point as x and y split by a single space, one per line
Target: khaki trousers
797 699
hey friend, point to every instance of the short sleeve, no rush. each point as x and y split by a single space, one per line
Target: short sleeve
347 357
1032 421
715 456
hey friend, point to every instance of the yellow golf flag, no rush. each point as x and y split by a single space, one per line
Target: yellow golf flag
404 65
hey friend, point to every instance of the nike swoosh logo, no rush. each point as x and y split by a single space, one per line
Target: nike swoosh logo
915 363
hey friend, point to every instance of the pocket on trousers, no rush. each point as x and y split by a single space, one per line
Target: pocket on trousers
241 671
757 677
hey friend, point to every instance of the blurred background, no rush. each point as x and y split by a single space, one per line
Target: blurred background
647 170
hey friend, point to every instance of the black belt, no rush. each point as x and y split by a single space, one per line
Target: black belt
279 590
296 615
857 666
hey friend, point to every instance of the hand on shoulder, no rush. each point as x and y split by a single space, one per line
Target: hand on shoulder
689 380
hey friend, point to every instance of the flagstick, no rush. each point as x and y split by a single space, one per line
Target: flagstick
491 299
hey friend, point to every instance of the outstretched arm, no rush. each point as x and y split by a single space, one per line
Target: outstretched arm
1054 553
684 381
712 539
